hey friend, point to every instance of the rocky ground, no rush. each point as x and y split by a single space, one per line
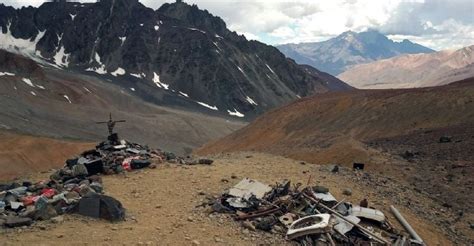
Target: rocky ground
162 205
436 164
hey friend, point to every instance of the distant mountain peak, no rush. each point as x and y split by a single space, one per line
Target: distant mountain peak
338 54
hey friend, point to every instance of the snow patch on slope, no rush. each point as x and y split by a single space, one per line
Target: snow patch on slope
251 101
61 58
67 98
138 75
6 74
123 40
101 68
28 82
271 70
208 106
25 47
235 113
119 71
242 71
183 94
156 80
195 29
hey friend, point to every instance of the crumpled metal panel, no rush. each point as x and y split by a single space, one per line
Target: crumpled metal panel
246 187
367 213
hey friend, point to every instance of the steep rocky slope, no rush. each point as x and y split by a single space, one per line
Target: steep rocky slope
177 50
338 54
409 71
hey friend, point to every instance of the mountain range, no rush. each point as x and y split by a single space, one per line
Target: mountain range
413 70
340 53
177 56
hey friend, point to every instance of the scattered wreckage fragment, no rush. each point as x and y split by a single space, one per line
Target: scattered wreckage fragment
407 226
311 216
312 224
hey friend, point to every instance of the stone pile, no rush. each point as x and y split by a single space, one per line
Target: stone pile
78 187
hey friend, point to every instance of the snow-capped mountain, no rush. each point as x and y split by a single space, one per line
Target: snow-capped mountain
338 54
176 55
414 70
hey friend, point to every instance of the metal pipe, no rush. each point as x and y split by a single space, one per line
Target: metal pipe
405 224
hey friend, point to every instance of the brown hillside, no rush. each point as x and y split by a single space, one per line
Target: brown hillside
329 128
21 154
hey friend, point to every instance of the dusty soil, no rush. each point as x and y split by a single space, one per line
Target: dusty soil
23 154
161 205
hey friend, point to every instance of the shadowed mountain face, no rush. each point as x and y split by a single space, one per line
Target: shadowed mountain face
177 55
338 54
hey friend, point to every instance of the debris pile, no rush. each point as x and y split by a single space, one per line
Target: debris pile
310 215
77 187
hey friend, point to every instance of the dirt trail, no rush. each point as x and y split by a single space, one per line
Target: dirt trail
161 206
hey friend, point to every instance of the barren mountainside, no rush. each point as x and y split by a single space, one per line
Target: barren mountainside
417 70
319 122
44 101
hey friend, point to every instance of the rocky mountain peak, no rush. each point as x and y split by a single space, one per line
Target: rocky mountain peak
338 54
193 16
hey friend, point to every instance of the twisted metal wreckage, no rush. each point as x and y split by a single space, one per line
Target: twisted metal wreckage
311 216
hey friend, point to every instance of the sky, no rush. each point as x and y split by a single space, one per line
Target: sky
438 24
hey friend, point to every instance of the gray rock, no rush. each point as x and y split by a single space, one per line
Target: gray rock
79 170
97 187
320 189
347 192
17 222
218 240
45 213
57 219
248 225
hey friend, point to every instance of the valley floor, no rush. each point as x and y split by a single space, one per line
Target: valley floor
161 205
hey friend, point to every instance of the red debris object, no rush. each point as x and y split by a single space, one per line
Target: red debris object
29 200
126 163
48 192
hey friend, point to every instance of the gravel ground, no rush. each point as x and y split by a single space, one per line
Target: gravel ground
161 205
